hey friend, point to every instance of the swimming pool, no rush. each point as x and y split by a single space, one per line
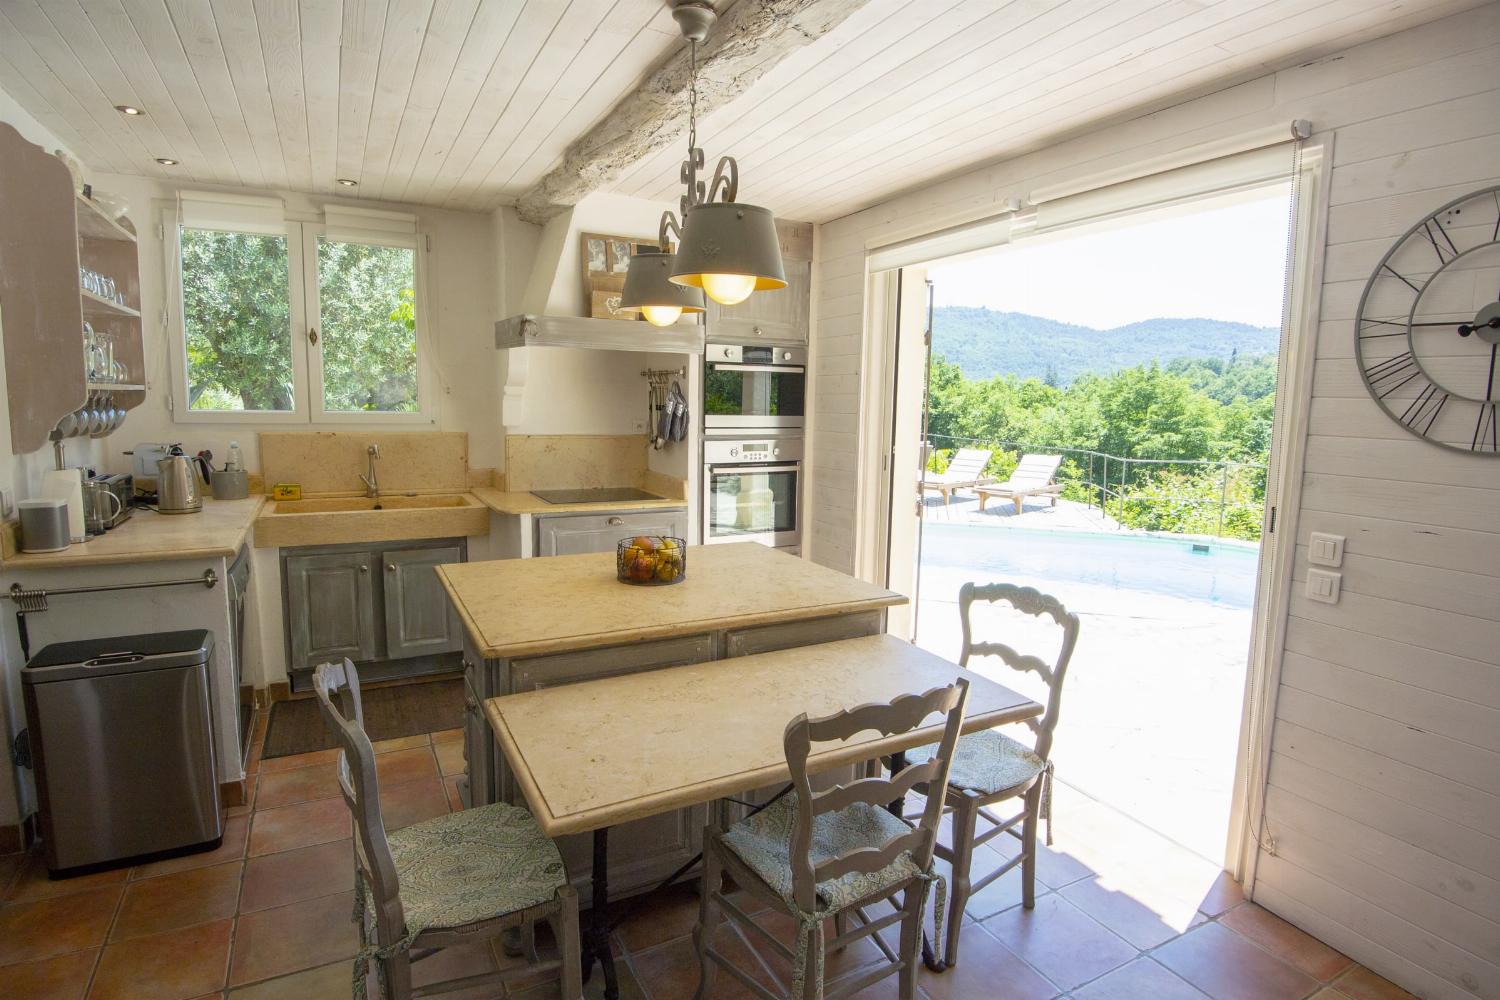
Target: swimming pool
1224 575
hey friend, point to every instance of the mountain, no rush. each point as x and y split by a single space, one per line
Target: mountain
983 342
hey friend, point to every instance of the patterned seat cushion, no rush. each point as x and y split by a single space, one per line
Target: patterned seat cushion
474 865
987 762
763 842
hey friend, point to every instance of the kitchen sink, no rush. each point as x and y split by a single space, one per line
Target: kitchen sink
338 505
388 518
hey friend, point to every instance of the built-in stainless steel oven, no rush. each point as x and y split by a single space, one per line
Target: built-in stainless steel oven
753 386
752 490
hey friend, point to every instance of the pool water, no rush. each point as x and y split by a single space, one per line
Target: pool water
1224 575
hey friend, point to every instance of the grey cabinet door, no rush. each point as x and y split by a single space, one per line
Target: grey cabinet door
571 534
330 608
479 748
419 619
780 316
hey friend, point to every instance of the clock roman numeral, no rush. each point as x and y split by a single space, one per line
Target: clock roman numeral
1424 409
1391 374
1486 429
1406 281
1444 249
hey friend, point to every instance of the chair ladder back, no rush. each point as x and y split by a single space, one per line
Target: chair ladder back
902 715
1027 600
361 792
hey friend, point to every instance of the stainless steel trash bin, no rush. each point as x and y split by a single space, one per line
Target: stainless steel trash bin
122 745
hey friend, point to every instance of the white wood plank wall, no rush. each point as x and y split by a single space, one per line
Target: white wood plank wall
1384 790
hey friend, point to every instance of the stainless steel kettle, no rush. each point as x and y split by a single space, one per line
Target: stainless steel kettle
177 484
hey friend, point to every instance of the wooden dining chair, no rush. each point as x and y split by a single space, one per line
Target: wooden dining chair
834 853
455 880
990 767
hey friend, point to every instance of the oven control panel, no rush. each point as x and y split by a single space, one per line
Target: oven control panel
757 451
746 451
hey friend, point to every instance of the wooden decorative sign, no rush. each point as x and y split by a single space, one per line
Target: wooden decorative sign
1427 333
605 260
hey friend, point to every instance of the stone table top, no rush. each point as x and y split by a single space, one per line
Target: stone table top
525 607
218 530
600 753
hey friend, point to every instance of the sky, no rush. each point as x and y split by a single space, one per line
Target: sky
1224 263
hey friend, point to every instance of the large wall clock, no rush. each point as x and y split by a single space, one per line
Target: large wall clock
1427 333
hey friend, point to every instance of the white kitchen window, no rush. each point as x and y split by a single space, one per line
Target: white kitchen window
282 321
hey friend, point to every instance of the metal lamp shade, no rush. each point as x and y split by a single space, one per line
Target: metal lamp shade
730 238
648 283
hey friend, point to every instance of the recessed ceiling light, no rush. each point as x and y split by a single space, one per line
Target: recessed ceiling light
166 161
126 109
348 183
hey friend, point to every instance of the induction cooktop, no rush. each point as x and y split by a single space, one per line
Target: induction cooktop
598 494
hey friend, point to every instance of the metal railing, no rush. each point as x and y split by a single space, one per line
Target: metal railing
1122 489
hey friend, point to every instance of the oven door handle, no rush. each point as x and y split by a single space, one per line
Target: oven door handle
786 369
719 469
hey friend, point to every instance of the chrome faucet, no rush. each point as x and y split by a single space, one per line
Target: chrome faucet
372 487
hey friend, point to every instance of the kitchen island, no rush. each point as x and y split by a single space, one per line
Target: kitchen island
536 623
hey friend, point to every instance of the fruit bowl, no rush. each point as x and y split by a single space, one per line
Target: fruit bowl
651 560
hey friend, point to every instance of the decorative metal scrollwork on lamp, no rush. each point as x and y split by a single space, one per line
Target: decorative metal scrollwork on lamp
726 248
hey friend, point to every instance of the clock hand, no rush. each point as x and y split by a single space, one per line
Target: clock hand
1467 328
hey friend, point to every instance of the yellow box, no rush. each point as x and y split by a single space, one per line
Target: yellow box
286 491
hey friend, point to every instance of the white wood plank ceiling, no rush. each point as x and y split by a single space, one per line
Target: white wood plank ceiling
467 103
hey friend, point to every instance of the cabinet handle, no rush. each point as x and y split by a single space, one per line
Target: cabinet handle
390 567
615 522
312 335
758 332
364 569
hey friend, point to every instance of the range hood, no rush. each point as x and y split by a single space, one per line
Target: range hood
533 330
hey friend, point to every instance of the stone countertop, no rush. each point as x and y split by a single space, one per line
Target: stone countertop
519 607
608 751
511 502
218 530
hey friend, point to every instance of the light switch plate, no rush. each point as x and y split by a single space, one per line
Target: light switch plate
1323 586
1325 550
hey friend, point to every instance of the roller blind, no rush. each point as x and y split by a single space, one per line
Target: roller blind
967 238
349 222
234 212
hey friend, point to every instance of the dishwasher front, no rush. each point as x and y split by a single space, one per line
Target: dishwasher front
122 743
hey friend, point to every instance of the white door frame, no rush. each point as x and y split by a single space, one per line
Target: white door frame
1298 350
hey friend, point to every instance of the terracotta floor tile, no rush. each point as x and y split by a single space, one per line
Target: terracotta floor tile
671 970
412 802
1359 983
661 918
405 765
32 881
65 977
177 965
999 895
1227 967
46 927
630 987
1060 941
1221 896
167 902
457 963
303 873
326 982
983 962
455 800
447 736
450 757
252 784
300 825
1286 942
1142 979
1140 915
291 938
270 765
1057 868
231 848
283 788
403 743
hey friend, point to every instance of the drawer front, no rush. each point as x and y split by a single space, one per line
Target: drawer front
767 638
571 534
532 673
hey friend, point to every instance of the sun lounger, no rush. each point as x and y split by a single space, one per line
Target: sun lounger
965 471
1034 477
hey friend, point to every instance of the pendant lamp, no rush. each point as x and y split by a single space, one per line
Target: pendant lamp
648 284
726 248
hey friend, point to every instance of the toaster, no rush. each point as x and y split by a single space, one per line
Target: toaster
122 486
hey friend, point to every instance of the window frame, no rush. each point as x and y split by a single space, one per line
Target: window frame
303 304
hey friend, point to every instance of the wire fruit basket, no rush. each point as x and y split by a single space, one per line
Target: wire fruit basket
651 560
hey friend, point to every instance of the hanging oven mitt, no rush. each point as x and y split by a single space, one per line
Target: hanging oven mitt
663 419
679 413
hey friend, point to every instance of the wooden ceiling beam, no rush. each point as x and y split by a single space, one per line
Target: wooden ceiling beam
751 38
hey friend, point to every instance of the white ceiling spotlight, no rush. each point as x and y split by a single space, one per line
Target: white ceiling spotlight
346 182
727 248
166 161
129 111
